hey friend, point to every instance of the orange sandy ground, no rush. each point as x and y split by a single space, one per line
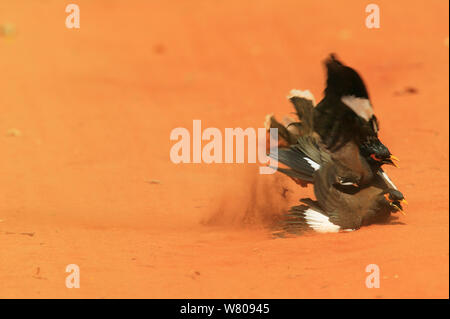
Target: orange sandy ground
91 111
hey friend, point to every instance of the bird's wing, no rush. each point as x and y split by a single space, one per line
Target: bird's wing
346 112
300 165
304 108
285 137
326 194
347 165
351 165
336 202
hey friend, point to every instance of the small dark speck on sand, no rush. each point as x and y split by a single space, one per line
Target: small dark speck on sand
284 191
407 90
27 234
159 48
154 182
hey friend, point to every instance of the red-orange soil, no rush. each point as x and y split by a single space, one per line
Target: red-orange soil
85 122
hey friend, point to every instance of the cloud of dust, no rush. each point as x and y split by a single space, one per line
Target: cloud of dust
248 199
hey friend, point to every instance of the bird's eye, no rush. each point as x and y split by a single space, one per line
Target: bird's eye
373 156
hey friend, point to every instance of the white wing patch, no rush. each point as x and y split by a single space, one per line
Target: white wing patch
319 222
387 179
306 94
347 183
361 106
312 163
344 183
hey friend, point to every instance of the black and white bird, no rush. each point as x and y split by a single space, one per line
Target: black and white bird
349 214
346 113
335 147
343 122
341 203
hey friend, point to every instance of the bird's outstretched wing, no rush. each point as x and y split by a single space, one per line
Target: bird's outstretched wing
345 113
299 164
303 102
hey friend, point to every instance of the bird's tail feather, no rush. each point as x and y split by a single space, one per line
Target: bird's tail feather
309 217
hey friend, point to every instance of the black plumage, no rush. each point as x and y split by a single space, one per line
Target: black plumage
348 155
348 131
346 114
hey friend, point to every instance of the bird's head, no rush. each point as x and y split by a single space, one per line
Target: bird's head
382 160
395 199
377 153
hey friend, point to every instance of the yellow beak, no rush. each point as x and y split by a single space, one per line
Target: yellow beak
394 159
403 201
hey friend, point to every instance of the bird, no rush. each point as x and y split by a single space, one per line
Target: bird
335 147
348 215
346 113
359 166
341 204
343 122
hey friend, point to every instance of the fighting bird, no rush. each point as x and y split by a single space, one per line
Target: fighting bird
343 122
335 147
341 203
